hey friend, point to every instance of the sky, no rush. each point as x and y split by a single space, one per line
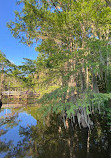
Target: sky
11 47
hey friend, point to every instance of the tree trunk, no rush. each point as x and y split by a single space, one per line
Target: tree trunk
1 84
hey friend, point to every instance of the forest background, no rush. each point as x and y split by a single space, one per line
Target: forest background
72 72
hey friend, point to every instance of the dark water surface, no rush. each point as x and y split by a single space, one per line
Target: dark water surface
24 134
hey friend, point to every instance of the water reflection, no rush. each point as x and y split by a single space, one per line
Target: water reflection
10 122
32 139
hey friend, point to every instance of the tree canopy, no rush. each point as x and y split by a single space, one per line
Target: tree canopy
75 50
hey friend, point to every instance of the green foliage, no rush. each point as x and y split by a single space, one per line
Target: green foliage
74 51
5 65
56 102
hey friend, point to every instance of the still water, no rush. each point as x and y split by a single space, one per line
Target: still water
25 134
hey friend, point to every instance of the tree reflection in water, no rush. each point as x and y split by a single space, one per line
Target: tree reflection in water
9 121
54 141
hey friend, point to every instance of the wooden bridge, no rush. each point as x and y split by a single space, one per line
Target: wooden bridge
18 93
18 98
12 93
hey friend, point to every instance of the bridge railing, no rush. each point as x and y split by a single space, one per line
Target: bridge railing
11 93
18 93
